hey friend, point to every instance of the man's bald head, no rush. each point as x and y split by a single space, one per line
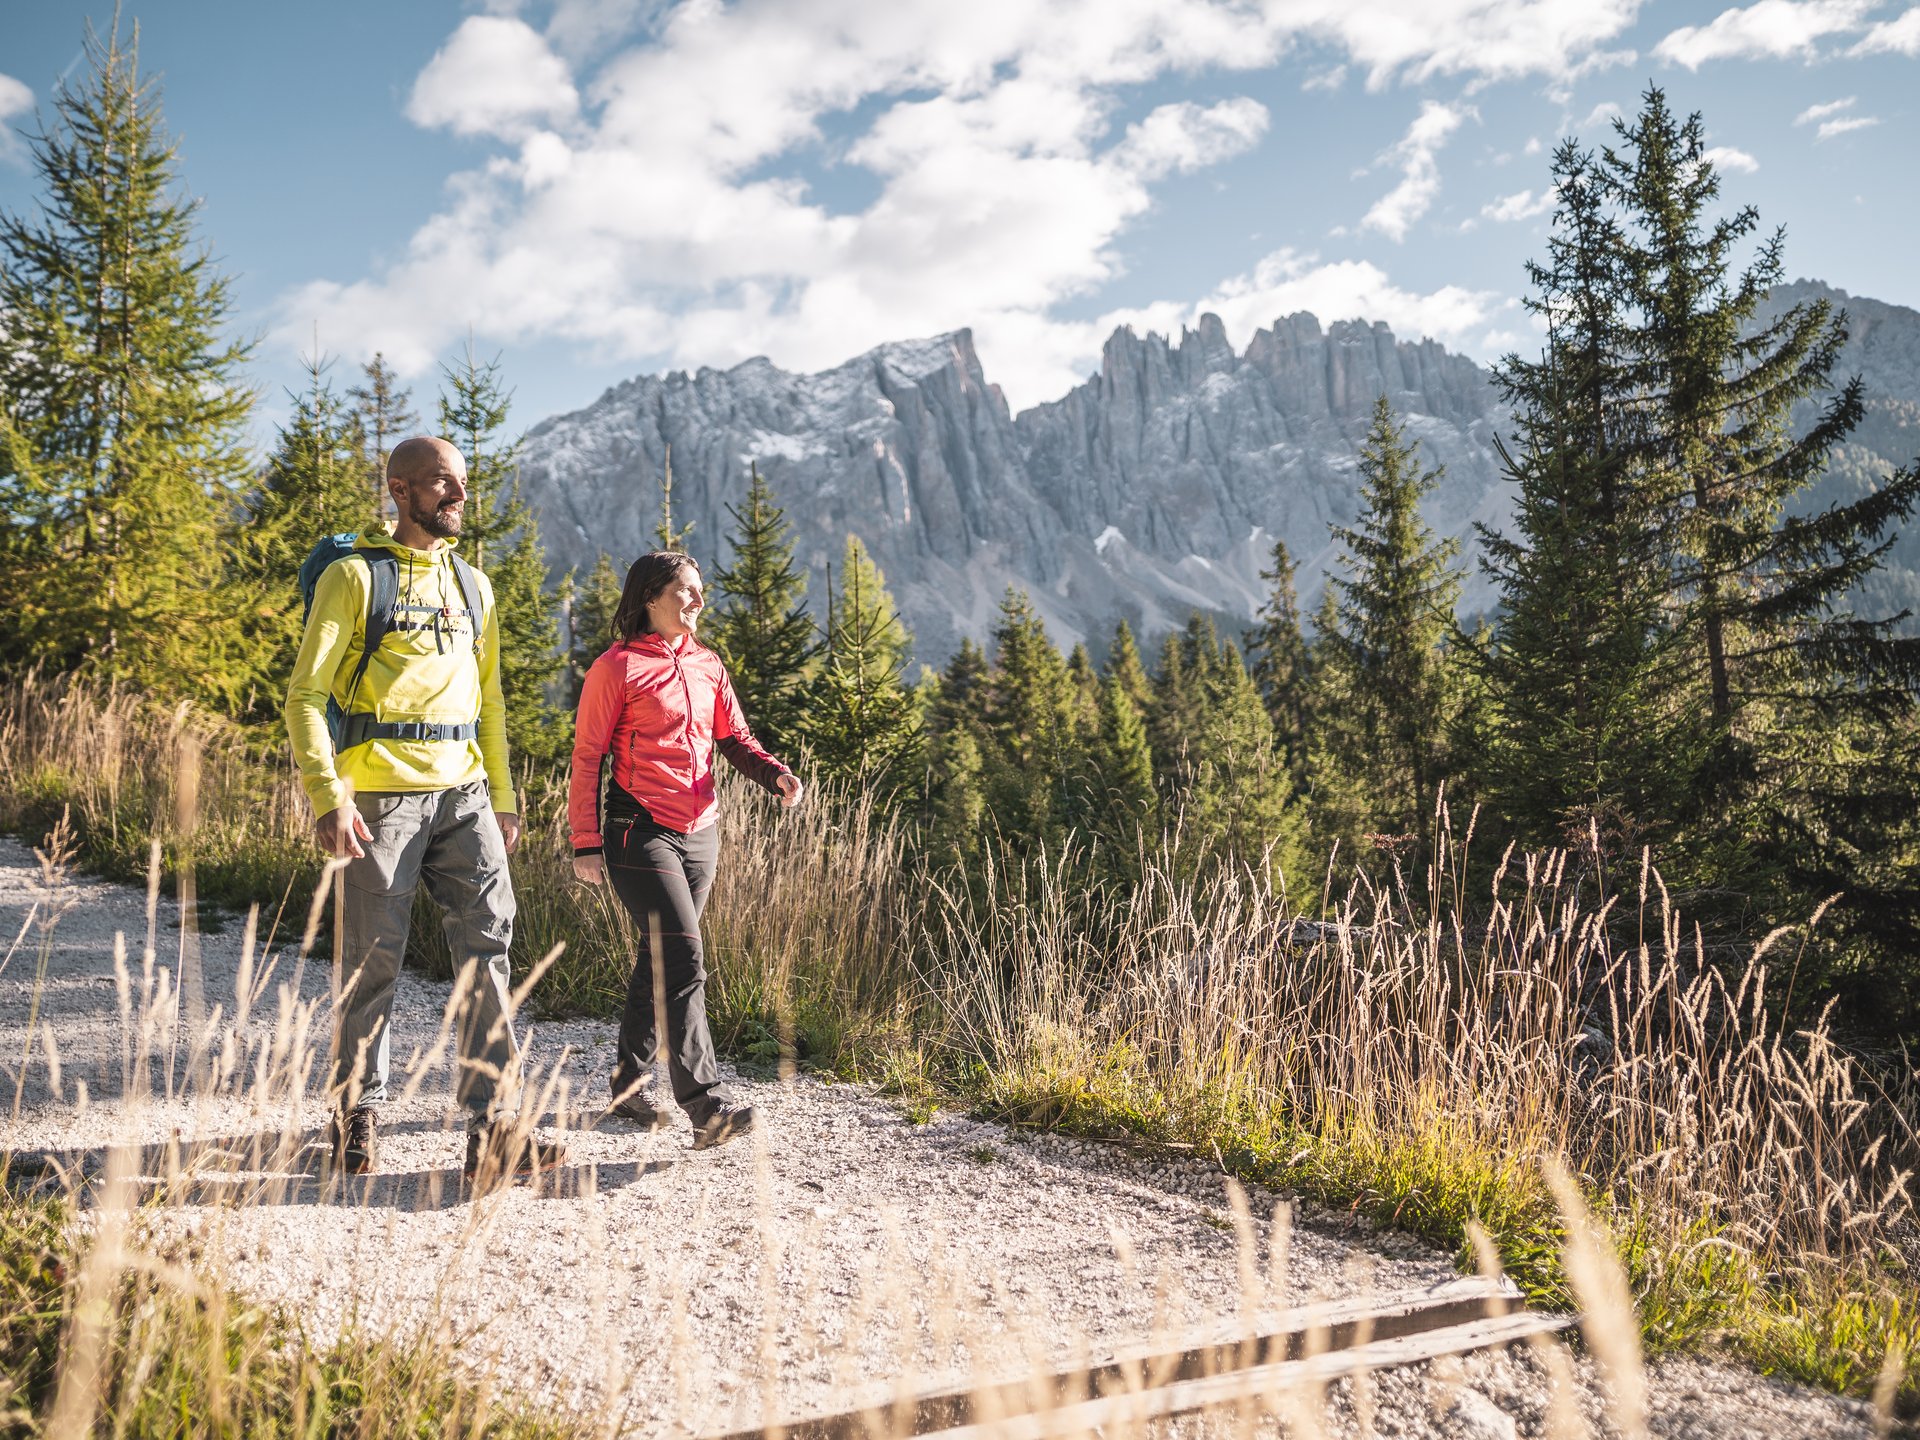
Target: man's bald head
427 478
422 455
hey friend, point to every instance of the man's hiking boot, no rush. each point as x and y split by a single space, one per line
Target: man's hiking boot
501 1150
350 1140
729 1118
635 1103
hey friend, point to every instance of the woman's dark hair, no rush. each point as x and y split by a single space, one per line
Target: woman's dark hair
647 579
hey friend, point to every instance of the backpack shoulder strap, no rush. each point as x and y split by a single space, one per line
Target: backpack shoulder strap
470 593
383 592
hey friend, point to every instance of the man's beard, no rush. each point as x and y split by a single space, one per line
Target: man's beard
442 524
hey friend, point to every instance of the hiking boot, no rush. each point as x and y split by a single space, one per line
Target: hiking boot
729 1118
635 1103
350 1140
502 1150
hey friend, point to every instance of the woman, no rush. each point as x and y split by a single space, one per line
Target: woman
660 703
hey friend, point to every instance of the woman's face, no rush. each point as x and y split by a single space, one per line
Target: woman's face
675 611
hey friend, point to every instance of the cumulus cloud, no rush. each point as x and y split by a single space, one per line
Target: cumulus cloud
653 194
1394 213
495 76
1522 206
15 101
1770 29
1732 161
1900 36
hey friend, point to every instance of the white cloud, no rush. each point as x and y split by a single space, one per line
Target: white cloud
1533 146
495 76
1731 161
1186 136
1394 213
1605 113
1900 36
1823 112
15 100
1523 206
1326 79
1770 29
1831 128
648 199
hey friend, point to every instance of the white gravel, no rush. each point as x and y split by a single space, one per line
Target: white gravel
838 1252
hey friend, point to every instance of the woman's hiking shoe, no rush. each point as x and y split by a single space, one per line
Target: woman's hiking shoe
350 1140
502 1150
729 1118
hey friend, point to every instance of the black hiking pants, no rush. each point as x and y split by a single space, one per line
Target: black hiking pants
663 878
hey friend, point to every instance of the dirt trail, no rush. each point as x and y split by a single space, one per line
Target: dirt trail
840 1247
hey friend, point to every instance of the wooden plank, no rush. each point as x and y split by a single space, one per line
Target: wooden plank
1264 1387
1219 1349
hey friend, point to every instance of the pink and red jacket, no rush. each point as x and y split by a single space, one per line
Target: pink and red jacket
660 713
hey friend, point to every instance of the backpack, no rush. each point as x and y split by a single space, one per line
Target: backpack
348 728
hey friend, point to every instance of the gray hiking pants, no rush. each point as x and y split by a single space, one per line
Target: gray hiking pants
452 839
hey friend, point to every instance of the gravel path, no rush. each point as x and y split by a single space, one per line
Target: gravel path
797 1272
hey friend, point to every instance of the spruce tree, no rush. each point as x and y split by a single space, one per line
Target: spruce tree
862 723
312 487
1808 701
1278 651
589 612
761 628
956 799
1126 804
1030 712
1123 664
1379 754
123 416
384 409
665 534
501 536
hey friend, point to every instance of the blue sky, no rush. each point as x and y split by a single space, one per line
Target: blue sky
595 188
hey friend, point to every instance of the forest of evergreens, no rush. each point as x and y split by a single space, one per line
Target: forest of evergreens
1671 672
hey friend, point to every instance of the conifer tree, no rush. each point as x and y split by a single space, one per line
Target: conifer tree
384 409
1278 651
501 536
312 487
1806 698
761 628
1030 712
665 533
1123 664
590 612
1126 804
956 747
122 412
1379 754
862 723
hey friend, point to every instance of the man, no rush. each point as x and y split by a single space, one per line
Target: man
418 786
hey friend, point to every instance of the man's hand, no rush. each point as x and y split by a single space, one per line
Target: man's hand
509 830
790 790
339 832
590 869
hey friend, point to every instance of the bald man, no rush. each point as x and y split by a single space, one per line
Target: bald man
416 786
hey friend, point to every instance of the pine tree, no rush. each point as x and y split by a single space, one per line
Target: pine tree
501 536
862 723
761 628
1378 755
122 412
589 613
1279 662
385 411
311 487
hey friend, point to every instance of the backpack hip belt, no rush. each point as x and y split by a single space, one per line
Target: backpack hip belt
363 725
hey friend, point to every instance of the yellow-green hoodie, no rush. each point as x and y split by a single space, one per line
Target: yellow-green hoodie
424 670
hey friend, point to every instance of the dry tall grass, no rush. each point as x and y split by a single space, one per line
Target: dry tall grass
1425 1066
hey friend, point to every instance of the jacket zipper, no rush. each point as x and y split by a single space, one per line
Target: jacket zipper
686 692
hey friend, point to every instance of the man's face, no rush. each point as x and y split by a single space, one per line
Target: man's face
435 499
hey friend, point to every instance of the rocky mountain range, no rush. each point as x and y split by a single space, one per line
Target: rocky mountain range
1154 489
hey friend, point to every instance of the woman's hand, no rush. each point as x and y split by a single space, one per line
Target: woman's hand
790 790
590 869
